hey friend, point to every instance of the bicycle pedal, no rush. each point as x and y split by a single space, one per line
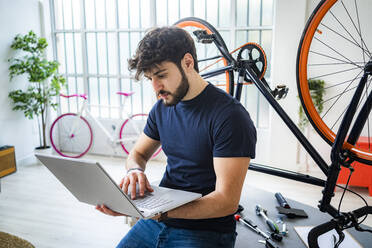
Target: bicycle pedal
203 37
280 91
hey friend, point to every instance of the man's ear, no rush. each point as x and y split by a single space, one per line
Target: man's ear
188 62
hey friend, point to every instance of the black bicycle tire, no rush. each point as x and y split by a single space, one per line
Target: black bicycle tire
220 40
298 65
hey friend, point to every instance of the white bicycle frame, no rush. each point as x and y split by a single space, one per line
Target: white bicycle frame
84 109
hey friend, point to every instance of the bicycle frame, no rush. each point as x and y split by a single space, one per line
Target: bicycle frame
338 155
343 153
84 109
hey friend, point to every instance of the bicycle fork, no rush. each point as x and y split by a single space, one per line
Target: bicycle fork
132 125
338 155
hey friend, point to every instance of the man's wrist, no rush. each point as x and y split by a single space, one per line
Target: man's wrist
133 169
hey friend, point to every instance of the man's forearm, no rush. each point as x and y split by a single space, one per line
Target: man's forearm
213 205
141 152
135 160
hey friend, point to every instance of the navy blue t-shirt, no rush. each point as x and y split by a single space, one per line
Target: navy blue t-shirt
192 133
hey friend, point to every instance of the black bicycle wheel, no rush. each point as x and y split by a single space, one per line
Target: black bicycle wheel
209 56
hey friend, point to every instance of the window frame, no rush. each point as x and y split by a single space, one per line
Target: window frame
233 29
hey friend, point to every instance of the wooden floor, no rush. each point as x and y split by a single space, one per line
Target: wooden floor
34 205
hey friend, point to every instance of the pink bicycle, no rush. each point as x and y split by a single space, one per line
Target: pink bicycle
71 134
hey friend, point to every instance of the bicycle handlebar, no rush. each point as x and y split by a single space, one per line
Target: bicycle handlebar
75 95
314 233
86 97
362 211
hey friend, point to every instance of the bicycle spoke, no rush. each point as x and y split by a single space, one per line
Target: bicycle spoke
335 64
338 84
339 95
324 55
333 73
354 43
351 19
346 30
64 142
63 128
336 51
360 30
342 114
357 64
72 145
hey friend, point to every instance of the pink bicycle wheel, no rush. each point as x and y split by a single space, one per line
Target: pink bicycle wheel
68 143
131 130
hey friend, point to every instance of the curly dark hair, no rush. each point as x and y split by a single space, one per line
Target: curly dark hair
160 45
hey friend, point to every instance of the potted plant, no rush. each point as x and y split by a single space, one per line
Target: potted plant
44 81
317 90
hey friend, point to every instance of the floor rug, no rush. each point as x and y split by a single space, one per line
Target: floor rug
10 241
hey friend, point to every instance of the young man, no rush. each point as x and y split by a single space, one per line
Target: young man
208 138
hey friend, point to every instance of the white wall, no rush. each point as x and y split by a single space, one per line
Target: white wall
16 17
290 19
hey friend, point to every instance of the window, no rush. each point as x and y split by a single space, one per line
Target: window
94 38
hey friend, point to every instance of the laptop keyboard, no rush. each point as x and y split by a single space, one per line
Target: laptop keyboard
151 202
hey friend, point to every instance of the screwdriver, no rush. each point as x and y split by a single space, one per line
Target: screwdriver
254 227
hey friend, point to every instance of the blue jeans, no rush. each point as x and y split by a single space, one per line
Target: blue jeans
152 234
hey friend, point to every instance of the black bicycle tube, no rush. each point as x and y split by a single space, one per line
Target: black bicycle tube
336 151
216 72
231 83
287 120
267 169
347 119
219 42
287 174
360 121
239 86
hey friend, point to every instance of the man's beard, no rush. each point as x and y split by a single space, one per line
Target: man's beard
179 93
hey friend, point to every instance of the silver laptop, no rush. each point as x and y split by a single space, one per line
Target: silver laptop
91 184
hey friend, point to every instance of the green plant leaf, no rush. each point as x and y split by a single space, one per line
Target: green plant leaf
45 82
317 90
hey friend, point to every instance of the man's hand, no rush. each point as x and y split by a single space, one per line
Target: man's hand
138 157
103 209
131 180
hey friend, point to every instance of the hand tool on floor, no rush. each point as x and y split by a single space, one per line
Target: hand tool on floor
240 209
284 230
254 227
262 212
267 243
282 201
284 208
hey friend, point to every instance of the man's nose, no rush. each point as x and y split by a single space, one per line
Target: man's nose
157 85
